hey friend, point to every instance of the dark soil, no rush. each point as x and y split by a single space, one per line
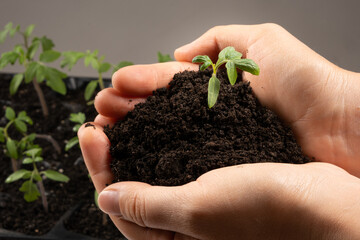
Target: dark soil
18 215
174 137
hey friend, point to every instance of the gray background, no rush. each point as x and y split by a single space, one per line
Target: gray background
135 30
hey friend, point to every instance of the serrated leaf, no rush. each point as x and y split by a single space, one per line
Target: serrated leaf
88 59
15 83
37 177
11 148
10 113
8 58
20 126
30 190
54 80
71 58
213 91
56 176
46 43
21 53
29 30
77 117
247 65
40 73
121 65
30 71
17 175
33 152
90 88
104 67
163 57
231 72
49 56
71 143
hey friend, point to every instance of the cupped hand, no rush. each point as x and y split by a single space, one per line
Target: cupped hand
317 99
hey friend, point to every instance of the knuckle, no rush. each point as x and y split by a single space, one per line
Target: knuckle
136 209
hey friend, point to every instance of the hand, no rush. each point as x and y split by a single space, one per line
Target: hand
307 91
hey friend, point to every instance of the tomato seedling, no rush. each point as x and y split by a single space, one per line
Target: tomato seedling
78 119
233 61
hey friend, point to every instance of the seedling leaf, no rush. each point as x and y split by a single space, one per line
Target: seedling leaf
30 71
231 72
30 190
49 56
33 152
71 58
247 65
10 113
46 43
56 176
163 57
213 90
17 175
20 126
11 148
29 30
54 80
121 65
77 117
90 88
71 143
104 67
32 49
15 83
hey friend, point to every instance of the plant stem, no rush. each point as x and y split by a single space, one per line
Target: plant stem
41 97
101 82
51 140
14 164
43 196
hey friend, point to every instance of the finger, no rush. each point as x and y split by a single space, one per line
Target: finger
135 232
214 40
109 103
105 121
95 149
148 206
142 80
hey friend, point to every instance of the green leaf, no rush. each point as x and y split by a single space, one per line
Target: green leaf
96 196
231 72
10 113
71 58
46 43
20 126
90 88
21 53
33 152
163 58
71 143
30 190
40 73
8 58
54 80
77 117
95 64
56 176
121 65
49 56
37 177
3 35
213 90
31 71
14 30
76 127
11 148
104 67
28 160
33 49
38 159
229 53
29 30
31 137
202 59
23 117
17 175
15 83
247 65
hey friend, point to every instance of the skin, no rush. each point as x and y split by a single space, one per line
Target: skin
320 102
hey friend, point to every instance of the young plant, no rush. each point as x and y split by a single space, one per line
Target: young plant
92 59
232 60
78 119
14 148
35 71
33 186
163 57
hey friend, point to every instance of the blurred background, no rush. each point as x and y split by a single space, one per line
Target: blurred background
135 30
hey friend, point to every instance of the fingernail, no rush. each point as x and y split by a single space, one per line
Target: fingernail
109 202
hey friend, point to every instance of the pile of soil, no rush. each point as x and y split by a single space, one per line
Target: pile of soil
30 218
174 137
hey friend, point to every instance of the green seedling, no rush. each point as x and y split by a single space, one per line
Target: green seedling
92 59
163 57
233 61
14 148
35 70
78 119
33 186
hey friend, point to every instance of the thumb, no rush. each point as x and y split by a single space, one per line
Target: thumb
148 206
